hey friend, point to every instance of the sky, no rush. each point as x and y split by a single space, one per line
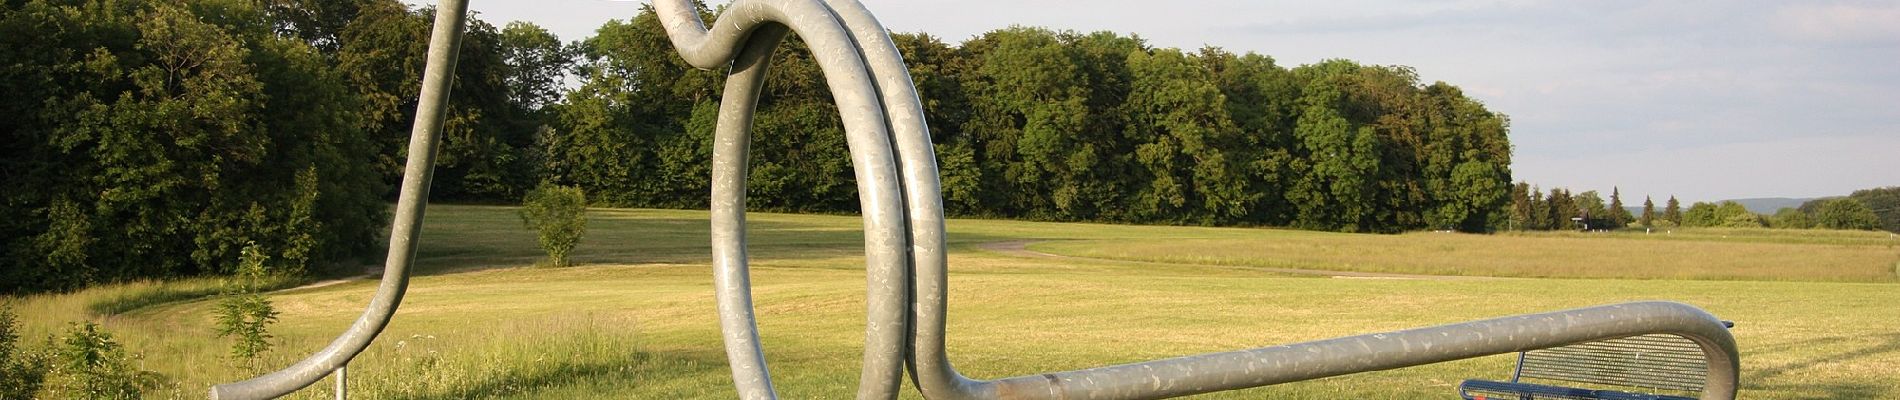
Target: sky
1703 100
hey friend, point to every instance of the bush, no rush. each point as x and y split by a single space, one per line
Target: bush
90 365
21 371
557 215
1791 218
244 313
1742 220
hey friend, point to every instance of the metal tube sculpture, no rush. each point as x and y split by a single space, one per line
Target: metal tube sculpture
906 269
863 69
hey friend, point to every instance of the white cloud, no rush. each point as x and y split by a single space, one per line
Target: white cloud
1840 22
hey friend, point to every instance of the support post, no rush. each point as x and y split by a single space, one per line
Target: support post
342 382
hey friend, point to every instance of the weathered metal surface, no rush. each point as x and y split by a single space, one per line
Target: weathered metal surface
406 229
906 269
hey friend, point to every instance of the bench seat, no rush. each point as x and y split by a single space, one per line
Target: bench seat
1654 363
1478 389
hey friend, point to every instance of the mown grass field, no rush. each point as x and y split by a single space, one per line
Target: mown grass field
636 319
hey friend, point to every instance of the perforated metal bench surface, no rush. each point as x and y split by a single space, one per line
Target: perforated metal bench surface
1493 390
1647 367
1477 389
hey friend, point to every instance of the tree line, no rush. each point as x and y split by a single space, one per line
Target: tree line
162 138
1530 208
1865 209
1048 125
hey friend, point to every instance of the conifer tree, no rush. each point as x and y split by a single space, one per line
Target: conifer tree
1649 213
1673 212
1619 217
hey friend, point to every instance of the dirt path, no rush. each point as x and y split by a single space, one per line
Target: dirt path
323 283
1020 248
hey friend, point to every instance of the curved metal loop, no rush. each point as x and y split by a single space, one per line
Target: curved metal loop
759 25
444 42
923 213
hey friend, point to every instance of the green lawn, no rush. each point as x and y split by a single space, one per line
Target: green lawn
636 320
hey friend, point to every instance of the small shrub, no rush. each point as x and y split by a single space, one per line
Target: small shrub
1791 218
244 313
558 216
90 365
22 372
1743 220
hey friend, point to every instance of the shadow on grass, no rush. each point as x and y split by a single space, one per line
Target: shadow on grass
1826 390
462 247
139 295
642 368
1888 343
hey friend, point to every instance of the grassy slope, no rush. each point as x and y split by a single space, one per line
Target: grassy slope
638 321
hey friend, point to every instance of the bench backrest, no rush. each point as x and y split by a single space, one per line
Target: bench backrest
1655 362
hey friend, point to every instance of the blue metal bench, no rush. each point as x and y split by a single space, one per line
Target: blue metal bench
1646 367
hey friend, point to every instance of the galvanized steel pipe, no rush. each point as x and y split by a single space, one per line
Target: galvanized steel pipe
743 38
1381 351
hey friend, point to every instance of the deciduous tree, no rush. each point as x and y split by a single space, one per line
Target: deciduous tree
1590 208
1735 215
1701 214
1846 213
1791 218
1885 203
154 139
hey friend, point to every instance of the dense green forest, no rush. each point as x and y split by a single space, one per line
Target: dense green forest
1032 123
159 138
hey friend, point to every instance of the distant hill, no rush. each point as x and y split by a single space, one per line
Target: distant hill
1768 205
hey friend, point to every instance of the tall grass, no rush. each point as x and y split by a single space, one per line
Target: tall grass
512 358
